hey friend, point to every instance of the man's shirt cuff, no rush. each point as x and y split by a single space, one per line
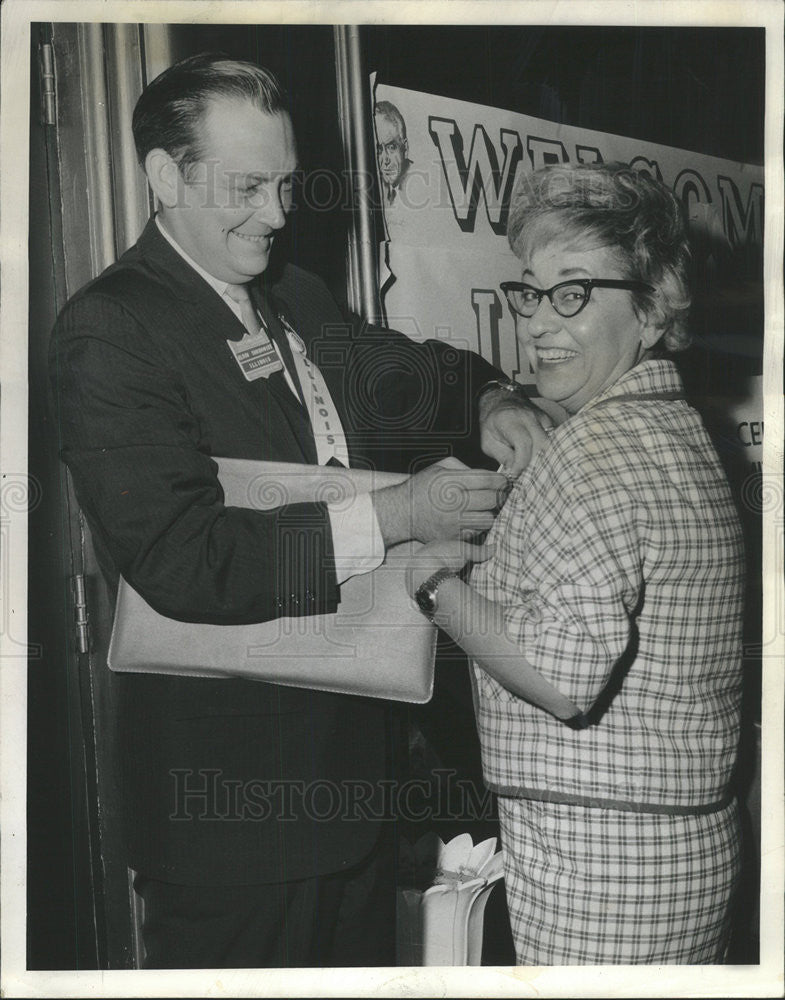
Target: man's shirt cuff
358 546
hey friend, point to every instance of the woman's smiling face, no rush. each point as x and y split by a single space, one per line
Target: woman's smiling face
576 358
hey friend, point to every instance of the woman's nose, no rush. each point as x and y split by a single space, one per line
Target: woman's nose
544 320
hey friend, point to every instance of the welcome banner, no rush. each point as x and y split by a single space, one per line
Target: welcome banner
447 169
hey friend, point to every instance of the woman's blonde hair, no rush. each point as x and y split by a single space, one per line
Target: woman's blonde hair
610 205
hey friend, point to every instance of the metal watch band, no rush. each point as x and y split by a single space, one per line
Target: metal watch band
425 595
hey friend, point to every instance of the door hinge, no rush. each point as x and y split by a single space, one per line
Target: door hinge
48 91
81 620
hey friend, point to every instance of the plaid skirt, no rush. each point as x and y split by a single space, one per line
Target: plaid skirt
589 886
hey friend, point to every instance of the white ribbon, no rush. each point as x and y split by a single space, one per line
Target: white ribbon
325 422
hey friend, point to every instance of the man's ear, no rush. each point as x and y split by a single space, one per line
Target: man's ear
405 147
164 177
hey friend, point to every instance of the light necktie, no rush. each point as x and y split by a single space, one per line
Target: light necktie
249 316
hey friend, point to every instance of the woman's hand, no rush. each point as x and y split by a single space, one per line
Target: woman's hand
449 554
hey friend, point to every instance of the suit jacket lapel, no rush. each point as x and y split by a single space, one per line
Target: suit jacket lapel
276 331
211 317
295 410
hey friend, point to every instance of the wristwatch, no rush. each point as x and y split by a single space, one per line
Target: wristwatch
425 595
514 388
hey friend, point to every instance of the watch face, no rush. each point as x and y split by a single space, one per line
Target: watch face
426 593
424 597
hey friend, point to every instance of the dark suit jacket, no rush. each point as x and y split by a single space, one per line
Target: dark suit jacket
147 390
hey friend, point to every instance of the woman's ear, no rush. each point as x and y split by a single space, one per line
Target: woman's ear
651 331
650 325
164 177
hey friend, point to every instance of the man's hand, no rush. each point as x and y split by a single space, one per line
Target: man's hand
512 430
446 500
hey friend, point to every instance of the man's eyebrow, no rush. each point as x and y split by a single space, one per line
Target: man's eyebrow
258 176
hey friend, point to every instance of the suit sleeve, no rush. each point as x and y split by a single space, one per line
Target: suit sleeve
425 393
131 442
405 403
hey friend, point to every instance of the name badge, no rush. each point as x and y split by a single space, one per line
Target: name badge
255 355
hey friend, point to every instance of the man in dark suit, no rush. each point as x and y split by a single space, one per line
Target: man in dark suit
191 347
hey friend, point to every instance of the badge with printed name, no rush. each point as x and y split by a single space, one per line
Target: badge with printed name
255 355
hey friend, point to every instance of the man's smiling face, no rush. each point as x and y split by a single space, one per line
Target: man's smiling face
238 194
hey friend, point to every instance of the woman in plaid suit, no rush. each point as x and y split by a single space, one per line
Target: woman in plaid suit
605 619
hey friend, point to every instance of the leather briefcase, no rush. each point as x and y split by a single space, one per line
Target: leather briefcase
376 644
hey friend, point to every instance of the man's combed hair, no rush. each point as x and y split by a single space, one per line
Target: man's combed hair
610 205
171 110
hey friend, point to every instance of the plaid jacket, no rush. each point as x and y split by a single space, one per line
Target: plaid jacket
619 561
